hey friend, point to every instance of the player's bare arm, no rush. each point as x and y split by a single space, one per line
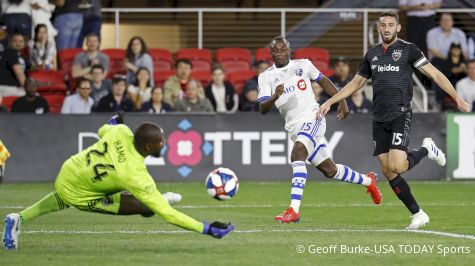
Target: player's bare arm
266 105
331 90
433 73
355 84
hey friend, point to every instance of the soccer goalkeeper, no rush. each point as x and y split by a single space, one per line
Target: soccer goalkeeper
96 179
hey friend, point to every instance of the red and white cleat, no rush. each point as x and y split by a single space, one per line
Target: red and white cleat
288 216
373 188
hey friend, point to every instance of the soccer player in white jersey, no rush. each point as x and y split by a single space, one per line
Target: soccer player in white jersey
288 86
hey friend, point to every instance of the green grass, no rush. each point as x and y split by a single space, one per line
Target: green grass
326 205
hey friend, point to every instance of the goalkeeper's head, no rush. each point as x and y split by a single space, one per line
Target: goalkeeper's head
149 139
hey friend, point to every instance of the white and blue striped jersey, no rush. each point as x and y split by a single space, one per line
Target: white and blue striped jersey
298 100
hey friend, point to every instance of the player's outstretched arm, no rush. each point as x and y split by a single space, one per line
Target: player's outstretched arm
355 84
331 90
266 105
433 73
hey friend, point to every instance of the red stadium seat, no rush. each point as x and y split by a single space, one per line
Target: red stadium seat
162 59
49 81
234 59
8 101
55 101
328 72
202 76
320 57
160 77
238 79
263 54
116 61
66 59
200 58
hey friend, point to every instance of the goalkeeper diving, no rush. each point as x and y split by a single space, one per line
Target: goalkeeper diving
111 177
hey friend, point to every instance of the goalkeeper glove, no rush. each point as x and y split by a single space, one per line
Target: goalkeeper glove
117 119
217 229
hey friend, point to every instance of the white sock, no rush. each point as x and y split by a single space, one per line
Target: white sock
299 178
346 174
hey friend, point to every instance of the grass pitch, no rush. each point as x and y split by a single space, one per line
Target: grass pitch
336 218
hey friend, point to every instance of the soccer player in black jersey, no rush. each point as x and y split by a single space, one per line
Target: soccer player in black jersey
391 65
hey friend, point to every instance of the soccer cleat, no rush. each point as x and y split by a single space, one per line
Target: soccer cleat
419 219
11 231
172 197
373 189
434 153
288 216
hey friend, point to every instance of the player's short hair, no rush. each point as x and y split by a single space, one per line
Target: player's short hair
390 14
98 66
119 78
184 61
279 39
217 66
81 80
147 132
91 35
260 62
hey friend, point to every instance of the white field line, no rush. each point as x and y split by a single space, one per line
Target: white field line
428 232
320 205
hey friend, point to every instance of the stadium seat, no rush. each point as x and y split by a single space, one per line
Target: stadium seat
320 57
234 59
49 81
200 58
116 61
263 54
238 79
162 59
55 101
8 101
66 59
160 77
202 76
328 72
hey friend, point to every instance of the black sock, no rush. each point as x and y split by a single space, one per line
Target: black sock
415 156
403 192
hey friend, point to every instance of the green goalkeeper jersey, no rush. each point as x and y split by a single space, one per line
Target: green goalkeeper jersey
112 165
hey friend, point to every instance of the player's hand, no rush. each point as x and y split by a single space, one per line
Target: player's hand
342 111
323 110
117 119
279 90
217 229
464 106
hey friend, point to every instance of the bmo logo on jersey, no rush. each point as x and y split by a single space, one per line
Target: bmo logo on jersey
385 68
301 85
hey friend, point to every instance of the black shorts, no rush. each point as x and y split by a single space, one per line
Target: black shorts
392 134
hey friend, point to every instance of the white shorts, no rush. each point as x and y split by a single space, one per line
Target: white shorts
11 91
311 133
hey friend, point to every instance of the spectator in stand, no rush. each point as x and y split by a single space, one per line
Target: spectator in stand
41 14
17 43
220 92
3 108
17 16
12 77
3 36
31 102
440 38
136 57
141 90
84 61
420 19
117 100
193 102
358 103
251 88
340 78
175 86
156 105
100 86
92 21
80 102
68 22
42 51
466 86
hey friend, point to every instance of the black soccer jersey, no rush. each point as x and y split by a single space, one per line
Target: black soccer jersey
391 71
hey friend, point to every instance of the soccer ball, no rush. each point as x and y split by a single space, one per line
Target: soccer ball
222 183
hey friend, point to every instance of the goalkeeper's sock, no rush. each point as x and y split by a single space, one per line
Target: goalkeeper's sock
415 156
346 174
403 192
50 203
299 178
